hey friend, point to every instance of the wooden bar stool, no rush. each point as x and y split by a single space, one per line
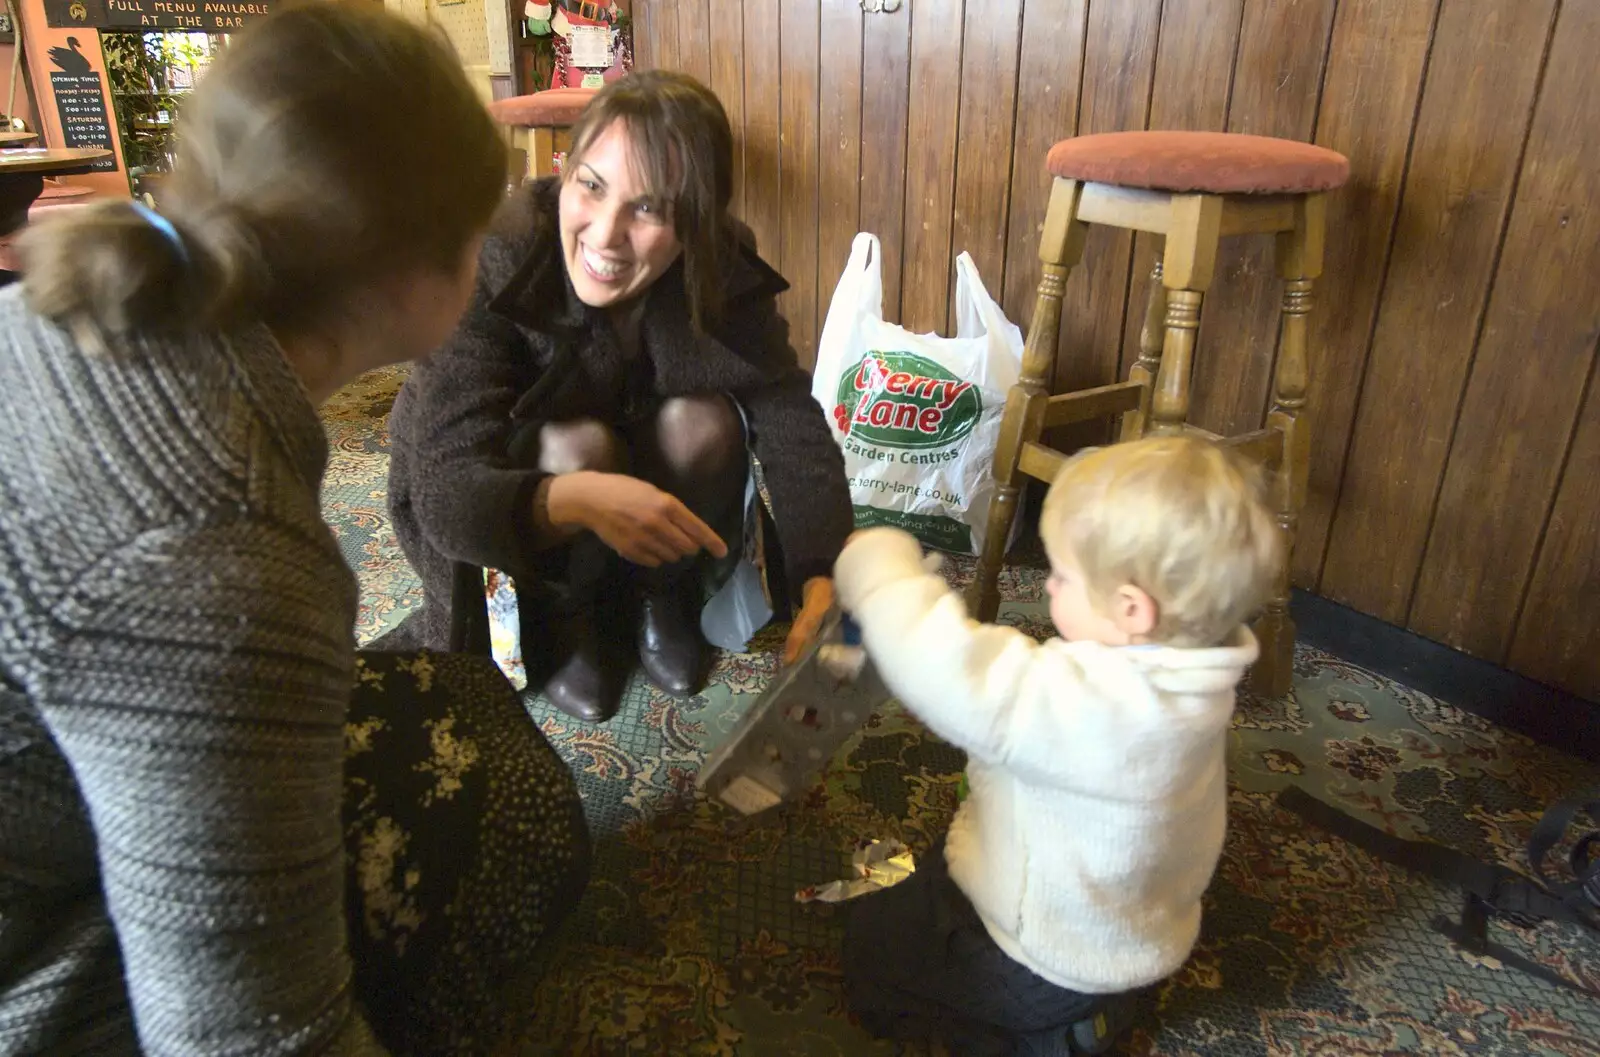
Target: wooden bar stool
1191 188
54 196
540 127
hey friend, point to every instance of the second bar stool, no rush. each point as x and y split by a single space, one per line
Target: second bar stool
1192 188
541 126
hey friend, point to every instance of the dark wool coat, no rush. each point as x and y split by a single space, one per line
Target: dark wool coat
528 350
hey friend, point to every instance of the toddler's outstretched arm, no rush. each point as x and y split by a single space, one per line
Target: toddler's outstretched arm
985 688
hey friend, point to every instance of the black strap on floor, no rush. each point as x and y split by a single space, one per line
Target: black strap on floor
1471 935
1490 888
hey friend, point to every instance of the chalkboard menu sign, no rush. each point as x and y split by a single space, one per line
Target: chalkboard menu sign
200 16
82 107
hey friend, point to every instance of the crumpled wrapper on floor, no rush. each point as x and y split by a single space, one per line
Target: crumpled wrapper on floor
877 864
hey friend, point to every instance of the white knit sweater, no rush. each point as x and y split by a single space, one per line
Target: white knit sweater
1098 788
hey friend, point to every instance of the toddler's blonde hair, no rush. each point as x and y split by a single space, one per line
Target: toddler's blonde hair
1177 517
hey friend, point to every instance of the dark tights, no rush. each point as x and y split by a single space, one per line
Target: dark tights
693 449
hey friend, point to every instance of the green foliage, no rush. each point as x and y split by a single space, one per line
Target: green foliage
141 68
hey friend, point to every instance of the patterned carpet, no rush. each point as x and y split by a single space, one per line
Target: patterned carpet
690 942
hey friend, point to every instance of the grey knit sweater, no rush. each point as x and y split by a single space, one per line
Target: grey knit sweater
175 663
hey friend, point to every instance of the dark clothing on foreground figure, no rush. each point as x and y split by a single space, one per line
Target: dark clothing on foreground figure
176 664
529 351
919 964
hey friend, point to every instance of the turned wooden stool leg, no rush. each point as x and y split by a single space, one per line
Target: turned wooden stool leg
1299 254
542 148
1059 249
1151 337
543 143
1187 263
516 169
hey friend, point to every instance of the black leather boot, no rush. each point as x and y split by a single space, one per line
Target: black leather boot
588 684
671 649
584 644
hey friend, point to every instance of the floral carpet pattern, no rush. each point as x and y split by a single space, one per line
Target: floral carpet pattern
689 940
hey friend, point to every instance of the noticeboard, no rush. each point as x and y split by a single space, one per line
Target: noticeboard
82 106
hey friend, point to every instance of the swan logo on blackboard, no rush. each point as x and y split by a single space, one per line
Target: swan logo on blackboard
69 59
78 13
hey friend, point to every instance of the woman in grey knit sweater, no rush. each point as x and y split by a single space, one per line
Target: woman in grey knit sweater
206 845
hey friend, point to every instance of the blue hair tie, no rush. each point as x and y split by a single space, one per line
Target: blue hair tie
163 225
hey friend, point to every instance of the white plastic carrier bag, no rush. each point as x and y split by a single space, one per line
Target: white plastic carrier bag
917 415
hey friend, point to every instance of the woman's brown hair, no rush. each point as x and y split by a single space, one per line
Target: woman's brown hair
330 146
683 146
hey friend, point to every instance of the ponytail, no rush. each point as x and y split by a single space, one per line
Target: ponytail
121 270
330 146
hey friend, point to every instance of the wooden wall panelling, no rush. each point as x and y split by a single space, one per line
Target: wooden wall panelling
727 80
885 100
761 124
644 52
1455 413
1119 62
1470 131
989 57
799 63
1527 381
1048 75
664 26
1376 60
839 155
694 38
1282 48
1193 78
930 160
1556 634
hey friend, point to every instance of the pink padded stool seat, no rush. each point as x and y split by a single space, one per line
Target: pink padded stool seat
55 196
1221 163
59 196
57 191
556 108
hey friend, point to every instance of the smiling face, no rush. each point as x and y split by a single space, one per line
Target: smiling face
616 237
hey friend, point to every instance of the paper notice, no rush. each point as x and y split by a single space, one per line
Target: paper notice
591 47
